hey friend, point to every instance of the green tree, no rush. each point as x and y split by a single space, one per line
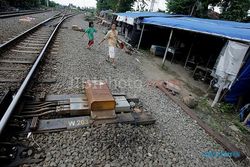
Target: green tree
124 5
115 5
26 4
180 6
231 9
190 7
105 4
235 10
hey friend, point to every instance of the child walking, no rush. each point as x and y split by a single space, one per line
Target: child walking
112 37
90 32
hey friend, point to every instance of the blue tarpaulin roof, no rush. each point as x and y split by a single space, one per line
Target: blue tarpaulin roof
145 14
227 29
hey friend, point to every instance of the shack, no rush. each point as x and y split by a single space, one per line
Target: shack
224 55
130 23
105 18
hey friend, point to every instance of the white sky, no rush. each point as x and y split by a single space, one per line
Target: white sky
160 4
81 3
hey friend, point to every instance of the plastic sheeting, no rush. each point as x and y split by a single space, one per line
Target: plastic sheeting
226 29
229 64
230 61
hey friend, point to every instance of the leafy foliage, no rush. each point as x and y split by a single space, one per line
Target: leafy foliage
235 10
26 4
115 5
198 7
180 6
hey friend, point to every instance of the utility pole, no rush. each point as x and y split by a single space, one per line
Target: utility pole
152 6
192 11
47 3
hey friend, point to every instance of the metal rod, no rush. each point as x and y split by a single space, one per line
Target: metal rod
139 43
22 13
189 53
166 51
20 91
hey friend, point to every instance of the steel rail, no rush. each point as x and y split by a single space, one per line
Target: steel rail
11 12
14 14
26 81
11 41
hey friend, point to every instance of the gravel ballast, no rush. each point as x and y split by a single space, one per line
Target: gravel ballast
10 27
175 139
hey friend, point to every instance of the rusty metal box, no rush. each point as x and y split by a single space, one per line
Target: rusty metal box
99 96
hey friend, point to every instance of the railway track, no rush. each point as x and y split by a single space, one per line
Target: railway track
20 58
20 13
19 61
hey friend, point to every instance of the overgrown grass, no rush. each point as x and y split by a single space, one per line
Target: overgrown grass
223 107
221 112
241 127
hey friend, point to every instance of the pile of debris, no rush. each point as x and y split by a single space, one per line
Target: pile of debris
77 28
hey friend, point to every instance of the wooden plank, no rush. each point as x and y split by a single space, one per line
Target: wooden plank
54 53
28 47
105 114
55 49
41 34
217 136
143 118
31 44
47 81
128 118
12 69
38 37
4 80
17 61
59 124
63 123
26 51
5 100
33 41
